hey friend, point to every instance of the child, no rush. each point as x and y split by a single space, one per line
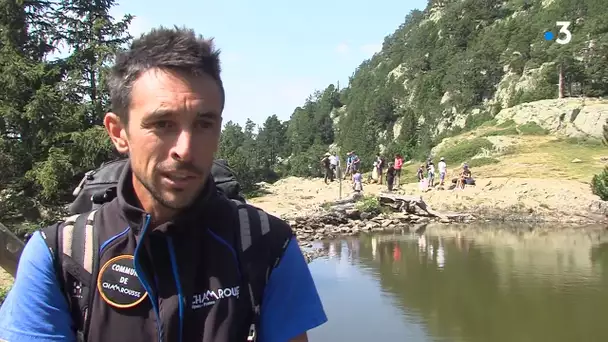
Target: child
431 173
358 181
420 173
390 176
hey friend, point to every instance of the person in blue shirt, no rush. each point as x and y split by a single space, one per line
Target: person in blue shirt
168 233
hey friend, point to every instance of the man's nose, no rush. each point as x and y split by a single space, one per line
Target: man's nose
183 146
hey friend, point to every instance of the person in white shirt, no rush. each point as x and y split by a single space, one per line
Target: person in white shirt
431 173
334 164
443 168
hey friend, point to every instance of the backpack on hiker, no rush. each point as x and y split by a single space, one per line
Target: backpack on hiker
99 186
77 264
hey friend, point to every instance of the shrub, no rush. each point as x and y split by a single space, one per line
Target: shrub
369 204
599 185
3 294
532 128
465 150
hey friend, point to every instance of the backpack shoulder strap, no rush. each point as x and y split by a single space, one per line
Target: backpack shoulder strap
259 252
75 248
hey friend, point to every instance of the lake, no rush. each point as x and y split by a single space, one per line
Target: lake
473 283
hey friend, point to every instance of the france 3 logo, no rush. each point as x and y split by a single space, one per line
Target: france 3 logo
563 37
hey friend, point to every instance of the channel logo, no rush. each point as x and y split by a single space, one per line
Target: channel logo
564 36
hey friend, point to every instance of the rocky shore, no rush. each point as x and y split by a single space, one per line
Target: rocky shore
356 215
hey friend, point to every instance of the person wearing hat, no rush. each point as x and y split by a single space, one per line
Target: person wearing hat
443 168
325 162
466 177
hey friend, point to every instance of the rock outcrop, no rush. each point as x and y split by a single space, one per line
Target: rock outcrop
573 117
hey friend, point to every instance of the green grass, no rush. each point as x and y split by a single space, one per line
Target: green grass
582 141
465 150
477 162
532 128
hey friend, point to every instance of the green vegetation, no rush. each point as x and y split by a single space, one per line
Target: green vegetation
465 150
509 127
599 185
532 128
507 124
51 110
369 204
599 182
582 141
3 294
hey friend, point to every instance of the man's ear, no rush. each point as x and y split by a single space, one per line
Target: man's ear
117 131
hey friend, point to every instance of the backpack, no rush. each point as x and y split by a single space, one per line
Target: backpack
75 248
99 186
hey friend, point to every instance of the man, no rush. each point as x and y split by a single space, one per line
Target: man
325 162
334 163
349 164
443 169
380 161
398 166
168 227
355 162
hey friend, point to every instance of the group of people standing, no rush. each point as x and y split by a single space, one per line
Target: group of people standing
427 173
393 171
332 170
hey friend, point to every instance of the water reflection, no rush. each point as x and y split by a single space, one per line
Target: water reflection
466 283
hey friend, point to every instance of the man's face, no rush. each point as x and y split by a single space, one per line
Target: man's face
172 134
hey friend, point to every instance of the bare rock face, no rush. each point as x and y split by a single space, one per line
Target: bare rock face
572 117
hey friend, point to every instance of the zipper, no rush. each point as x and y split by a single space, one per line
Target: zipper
144 281
178 285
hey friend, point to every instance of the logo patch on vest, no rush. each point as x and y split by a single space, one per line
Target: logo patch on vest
118 284
210 297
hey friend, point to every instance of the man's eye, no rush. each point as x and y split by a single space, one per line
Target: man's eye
163 124
205 124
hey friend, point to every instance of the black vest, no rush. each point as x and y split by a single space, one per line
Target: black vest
192 287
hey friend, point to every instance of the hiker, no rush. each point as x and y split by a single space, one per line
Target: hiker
420 172
398 166
358 181
390 176
381 165
422 180
173 262
443 168
334 165
349 164
374 174
465 178
325 162
430 173
356 162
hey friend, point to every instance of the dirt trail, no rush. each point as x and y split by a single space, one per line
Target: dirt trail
492 197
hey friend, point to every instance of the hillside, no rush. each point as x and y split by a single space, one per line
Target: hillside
446 70
523 173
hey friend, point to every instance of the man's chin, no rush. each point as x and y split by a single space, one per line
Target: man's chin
178 199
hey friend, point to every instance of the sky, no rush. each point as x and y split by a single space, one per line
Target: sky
276 53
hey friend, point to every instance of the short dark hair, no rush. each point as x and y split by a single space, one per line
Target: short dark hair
178 49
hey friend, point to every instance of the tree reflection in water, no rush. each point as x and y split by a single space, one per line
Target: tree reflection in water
480 283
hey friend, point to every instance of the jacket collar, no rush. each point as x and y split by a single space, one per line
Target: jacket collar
132 212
